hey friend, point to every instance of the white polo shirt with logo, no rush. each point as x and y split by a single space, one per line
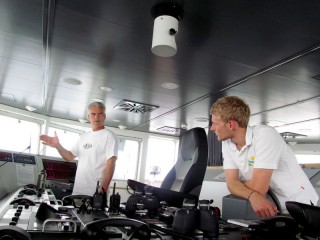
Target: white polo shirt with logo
93 148
266 149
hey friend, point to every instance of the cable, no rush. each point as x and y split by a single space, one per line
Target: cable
3 164
129 191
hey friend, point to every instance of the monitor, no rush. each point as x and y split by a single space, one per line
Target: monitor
59 170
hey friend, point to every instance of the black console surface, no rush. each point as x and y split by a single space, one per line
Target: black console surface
57 222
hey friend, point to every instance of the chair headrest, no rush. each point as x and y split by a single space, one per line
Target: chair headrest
308 216
190 142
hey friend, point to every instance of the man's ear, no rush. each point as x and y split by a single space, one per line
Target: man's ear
233 124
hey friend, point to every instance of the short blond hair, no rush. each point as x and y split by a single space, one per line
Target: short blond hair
231 108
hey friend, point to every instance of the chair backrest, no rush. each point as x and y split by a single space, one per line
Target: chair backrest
187 174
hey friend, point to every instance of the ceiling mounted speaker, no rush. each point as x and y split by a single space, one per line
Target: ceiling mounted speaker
167 17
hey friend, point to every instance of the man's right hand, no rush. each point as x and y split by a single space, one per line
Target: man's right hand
50 141
262 206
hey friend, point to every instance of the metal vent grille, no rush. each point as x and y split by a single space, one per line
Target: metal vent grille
317 77
136 107
272 123
167 129
291 135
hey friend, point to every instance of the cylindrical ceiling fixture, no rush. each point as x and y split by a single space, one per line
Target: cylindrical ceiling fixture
167 16
163 41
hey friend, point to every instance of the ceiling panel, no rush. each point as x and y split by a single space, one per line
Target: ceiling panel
264 51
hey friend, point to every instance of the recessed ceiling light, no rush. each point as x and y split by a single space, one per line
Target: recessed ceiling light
72 81
122 127
116 120
106 89
96 100
169 85
83 120
30 108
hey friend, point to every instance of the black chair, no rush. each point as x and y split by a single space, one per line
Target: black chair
308 216
185 178
187 174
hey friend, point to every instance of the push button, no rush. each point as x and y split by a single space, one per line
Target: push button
17 214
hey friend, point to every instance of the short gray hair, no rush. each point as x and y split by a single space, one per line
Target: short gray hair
96 104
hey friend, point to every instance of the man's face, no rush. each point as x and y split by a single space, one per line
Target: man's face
96 117
220 128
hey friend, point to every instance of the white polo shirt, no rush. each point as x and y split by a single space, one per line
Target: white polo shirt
266 149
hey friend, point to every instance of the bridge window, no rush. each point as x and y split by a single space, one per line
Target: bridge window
17 134
161 156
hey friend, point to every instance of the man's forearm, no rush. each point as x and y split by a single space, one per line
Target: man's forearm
240 189
108 173
64 153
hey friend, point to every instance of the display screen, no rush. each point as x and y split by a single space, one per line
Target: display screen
5 156
59 170
23 158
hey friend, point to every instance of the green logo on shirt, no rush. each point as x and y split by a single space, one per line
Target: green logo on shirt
251 161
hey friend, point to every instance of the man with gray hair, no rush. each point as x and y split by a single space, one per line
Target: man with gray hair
97 151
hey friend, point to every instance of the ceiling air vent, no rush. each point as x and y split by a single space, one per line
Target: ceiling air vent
317 77
136 107
170 130
291 135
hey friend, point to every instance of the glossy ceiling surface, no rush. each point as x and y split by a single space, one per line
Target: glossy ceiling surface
266 52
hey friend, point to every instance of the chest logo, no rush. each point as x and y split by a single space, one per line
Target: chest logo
87 146
251 161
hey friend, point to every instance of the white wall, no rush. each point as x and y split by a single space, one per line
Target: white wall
312 149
